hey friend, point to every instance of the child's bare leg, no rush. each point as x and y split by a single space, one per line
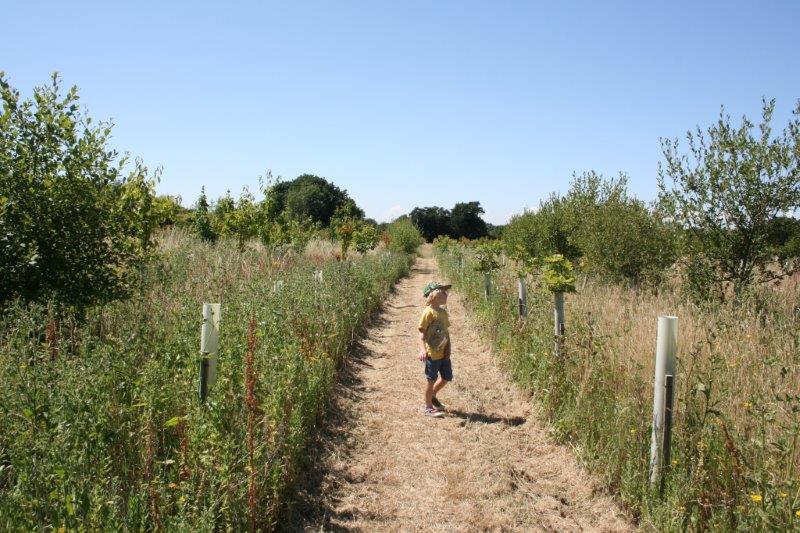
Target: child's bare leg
439 386
429 385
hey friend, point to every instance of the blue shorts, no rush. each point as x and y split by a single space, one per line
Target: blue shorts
439 366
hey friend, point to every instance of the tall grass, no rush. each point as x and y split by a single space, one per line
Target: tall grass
736 437
107 433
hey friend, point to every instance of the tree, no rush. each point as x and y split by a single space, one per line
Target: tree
403 236
727 193
431 221
467 222
617 235
240 219
549 230
309 197
74 227
202 219
345 222
365 237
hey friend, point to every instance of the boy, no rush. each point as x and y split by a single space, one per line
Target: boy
434 345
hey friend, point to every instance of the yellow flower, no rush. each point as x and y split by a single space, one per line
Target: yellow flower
674 462
797 513
633 430
783 494
748 405
756 498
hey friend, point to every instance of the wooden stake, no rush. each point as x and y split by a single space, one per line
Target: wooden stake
487 285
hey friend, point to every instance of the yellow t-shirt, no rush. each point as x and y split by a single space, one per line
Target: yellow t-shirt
434 323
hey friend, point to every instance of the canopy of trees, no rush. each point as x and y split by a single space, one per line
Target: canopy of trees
598 224
309 197
464 220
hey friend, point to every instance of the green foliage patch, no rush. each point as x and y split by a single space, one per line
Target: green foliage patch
100 425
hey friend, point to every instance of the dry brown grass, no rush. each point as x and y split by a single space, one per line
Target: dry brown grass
489 465
750 350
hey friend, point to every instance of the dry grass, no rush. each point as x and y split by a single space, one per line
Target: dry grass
736 443
489 465
750 350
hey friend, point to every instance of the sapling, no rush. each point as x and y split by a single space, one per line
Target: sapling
559 277
487 254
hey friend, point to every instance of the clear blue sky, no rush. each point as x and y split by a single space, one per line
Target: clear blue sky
407 104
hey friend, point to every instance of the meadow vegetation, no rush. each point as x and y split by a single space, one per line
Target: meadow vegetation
101 427
720 251
100 423
736 453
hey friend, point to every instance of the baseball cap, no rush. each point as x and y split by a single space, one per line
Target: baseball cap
432 286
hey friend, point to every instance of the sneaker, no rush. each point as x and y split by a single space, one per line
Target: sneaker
433 412
437 404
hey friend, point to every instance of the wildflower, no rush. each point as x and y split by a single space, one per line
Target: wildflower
748 405
172 486
756 498
674 462
782 494
633 430
797 513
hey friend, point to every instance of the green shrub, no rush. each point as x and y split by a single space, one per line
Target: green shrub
404 237
598 224
74 227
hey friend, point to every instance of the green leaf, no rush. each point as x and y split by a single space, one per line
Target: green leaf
174 421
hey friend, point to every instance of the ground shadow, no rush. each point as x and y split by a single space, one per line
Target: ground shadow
311 508
487 418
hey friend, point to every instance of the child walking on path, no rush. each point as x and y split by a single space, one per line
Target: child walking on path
434 345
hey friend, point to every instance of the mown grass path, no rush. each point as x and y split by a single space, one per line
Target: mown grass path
380 465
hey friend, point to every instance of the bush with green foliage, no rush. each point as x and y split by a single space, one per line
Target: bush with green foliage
487 254
75 227
597 223
404 237
727 194
203 226
552 228
365 237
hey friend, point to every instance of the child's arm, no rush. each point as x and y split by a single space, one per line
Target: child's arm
423 352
